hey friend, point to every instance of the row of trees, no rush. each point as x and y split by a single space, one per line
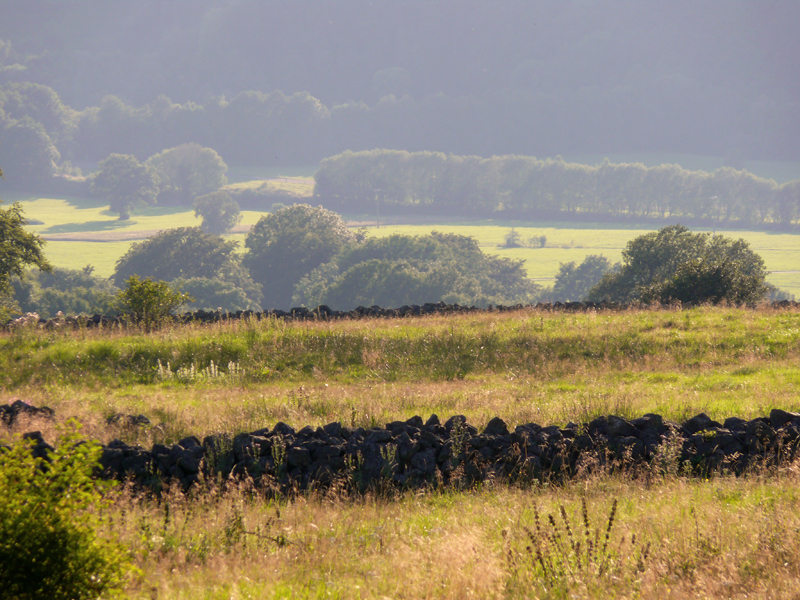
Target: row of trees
37 132
178 176
526 187
306 255
41 136
298 255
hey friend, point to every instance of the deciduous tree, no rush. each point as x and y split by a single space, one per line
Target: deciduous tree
187 171
187 253
574 282
286 245
18 249
220 212
125 182
676 264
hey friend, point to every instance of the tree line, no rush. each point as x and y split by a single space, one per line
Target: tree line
306 256
527 187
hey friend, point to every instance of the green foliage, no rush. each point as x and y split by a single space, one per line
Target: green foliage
40 104
147 302
399 270
187 253
27 153
699 281
70 291
574 282
674 263
542 344
215 293
18 248
529 187
125 182
187 171
512 239
49 520
288 244
219 211
388 283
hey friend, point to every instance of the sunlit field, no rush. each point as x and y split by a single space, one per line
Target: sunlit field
523 366
83 232
655 533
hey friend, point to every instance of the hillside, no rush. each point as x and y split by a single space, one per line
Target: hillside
653 531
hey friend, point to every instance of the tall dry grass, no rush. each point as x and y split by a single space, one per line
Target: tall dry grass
655 538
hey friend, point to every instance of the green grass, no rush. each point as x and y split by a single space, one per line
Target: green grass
524 366
85 221
716 538
242 174
299 187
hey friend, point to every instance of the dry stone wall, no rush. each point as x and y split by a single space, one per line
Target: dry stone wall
325 313
420 453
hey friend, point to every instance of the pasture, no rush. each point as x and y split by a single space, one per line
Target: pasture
670 535
81 231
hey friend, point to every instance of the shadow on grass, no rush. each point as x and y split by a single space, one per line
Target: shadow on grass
89 226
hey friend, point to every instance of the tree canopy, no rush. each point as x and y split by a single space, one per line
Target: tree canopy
28 154
676 264
18 248
400 270
71 291
220 212
187 171
573 282
125 182
187 253
288 244
148 302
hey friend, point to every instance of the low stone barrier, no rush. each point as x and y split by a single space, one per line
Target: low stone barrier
421 453
325 313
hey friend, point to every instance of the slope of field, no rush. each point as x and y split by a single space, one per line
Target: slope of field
529 365
655 533
82 231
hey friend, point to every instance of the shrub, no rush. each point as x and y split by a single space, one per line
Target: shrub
147 302
49 520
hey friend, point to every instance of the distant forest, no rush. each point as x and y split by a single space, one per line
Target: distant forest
526 187
39 131
468 78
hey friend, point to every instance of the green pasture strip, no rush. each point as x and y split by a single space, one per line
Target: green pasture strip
102 256
571 243
566 242
300 187
244 174
62 216
60 212
529 344
201 405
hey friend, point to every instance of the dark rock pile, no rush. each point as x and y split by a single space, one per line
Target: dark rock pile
325 313
414 453
10 413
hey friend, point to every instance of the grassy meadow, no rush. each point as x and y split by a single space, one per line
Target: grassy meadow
81 231
668 536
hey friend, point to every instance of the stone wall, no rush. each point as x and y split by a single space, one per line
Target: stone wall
419 453
325 313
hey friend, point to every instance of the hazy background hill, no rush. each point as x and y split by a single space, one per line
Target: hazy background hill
543 78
